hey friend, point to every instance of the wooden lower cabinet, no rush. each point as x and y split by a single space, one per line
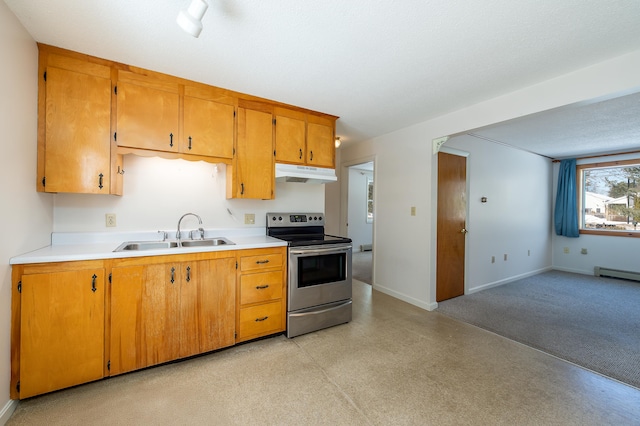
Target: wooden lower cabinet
75 322
165 308
262 293
58 323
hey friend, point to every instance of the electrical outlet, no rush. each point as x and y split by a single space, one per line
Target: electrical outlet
583 251
110 220
493 259
249 219
566 250
528 252
505 256
413 211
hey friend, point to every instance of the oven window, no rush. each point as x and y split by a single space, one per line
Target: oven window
321 269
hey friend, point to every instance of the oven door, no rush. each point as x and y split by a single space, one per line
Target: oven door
318 275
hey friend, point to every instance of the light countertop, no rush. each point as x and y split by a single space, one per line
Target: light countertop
101 245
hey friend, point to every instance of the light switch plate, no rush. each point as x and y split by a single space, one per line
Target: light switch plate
249 219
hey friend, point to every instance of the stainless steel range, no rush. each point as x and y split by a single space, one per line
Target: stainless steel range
319 287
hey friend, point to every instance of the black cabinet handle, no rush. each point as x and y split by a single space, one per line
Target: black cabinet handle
242 189
311 156
261 319
100 176
260 262
188 273
93 283
171 140
173 275
262 287
189 142
301 153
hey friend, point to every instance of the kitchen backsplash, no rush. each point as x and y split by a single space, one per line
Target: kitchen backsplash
158 191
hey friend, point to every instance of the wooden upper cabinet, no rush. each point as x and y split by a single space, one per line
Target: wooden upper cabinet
208 128
290 136
305 139
321 149
74 123
252 174
147 116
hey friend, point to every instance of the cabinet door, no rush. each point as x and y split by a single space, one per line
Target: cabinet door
290 144
145 316
147 117
207 305
208 128
62 330
254 174
77 132
321 149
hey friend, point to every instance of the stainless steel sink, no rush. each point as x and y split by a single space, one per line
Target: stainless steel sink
146 245
206 242
159 245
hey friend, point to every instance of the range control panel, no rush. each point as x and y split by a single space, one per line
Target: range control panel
294 219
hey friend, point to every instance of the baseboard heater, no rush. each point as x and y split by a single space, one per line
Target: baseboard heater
599 271
366 247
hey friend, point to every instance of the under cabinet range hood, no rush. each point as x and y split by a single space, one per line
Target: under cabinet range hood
304 174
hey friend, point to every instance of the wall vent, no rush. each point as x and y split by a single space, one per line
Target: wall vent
366 247
600 271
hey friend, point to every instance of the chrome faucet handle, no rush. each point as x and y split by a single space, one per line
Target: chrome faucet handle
198 232
164 234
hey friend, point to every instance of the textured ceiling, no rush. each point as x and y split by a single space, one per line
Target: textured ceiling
379 65
607 126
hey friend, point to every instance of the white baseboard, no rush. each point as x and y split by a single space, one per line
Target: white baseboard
405 298
7 411
575 271
508 280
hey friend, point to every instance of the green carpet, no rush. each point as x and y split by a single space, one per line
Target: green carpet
593 322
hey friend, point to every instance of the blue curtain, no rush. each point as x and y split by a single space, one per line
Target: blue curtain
566 214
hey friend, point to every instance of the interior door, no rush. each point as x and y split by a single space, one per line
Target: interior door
452 216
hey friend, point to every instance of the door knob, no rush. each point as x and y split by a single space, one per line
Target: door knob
464 231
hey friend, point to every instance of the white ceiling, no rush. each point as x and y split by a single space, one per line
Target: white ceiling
379 65
583 129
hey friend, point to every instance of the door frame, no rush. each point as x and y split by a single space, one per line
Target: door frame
454 151
344 203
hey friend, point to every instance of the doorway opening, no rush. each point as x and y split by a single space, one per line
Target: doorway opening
360 211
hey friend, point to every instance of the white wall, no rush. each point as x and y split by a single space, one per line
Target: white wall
26 216
406 167
611 252
158 191
514 221
360 231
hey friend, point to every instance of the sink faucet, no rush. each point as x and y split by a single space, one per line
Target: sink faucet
178 238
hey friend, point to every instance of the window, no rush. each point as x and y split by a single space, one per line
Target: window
608 198
369 200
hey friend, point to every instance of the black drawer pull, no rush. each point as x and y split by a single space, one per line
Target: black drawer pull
261 319
262 287
260 262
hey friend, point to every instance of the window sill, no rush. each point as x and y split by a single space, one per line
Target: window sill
628 234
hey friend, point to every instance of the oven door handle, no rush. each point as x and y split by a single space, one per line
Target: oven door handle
319 250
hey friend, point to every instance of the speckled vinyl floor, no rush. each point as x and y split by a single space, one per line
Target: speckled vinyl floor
394 364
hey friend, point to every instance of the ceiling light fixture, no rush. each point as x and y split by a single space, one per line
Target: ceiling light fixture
190 20
338 142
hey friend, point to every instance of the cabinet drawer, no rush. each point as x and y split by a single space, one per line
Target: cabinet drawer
260 287
261 262
261 320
